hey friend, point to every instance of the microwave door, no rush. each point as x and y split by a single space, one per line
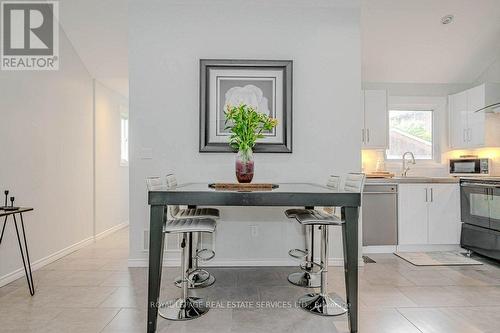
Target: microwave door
475 205
495 208
463 167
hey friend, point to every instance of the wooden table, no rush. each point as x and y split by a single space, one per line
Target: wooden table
24 252
286 195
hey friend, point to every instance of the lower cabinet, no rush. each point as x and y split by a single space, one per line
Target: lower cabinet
428 214
413 214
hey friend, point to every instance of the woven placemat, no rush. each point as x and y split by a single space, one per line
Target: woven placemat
243 186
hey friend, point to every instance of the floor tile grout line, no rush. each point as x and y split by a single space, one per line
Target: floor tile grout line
399 309
448 307
414 325
109 322
104 300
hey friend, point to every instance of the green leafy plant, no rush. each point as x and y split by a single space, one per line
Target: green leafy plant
417 130
246 125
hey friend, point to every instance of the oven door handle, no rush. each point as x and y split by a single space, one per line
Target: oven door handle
478 185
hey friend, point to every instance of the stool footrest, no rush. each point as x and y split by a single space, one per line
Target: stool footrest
205 254
314 267
298 253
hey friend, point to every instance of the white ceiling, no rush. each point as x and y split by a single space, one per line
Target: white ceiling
402 40
98 30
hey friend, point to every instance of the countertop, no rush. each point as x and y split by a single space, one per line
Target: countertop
412 180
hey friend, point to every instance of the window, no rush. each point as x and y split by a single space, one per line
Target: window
410 130
124 140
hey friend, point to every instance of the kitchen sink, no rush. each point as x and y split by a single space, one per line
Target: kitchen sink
415 180
410 178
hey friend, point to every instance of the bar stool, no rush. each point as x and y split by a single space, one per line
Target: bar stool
186 307
323 303
198 277
308 278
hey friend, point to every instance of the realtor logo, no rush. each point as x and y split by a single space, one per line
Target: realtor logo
29 35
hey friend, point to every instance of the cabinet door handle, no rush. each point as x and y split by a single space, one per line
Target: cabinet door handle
368 134
432 194
363 135
426 195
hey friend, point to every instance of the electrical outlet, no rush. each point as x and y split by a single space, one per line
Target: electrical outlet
254 230
146 153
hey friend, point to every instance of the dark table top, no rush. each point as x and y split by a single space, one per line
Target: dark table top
10 212
286 194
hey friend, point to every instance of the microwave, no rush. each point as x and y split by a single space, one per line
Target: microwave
470 167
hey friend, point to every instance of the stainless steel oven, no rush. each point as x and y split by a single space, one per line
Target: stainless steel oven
480 212
472 166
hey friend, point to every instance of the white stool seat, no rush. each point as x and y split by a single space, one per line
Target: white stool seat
317 217
189 225
198 213
291 213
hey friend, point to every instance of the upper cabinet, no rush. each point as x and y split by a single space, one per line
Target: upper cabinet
375 119
457 110
471 129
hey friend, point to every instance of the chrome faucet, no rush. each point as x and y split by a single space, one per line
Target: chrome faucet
406 168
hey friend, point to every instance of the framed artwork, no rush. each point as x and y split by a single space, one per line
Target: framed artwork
264 84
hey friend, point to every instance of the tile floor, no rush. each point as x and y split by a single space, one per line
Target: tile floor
93 290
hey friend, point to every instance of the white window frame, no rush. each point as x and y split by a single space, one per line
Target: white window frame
437 105
124 141
432 130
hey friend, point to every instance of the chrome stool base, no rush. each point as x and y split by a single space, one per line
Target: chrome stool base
199 278
305 279
191 308
323 304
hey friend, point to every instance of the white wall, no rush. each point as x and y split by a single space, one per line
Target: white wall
491 74
418 89
420 96
435 96
168 38
46 156
111 178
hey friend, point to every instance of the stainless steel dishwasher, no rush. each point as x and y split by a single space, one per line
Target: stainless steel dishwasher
380 214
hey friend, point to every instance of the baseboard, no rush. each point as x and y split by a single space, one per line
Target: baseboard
427 248
10 277
175 262
379 249
111 230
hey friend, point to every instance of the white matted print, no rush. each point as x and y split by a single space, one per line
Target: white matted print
265 85
262 89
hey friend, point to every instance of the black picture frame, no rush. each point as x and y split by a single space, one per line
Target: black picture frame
285 66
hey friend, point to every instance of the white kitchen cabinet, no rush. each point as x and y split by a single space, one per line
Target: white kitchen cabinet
375 119
412 214
457 105
428 214
471 129
476 120
444 214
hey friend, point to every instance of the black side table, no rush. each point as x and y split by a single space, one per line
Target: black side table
24 252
